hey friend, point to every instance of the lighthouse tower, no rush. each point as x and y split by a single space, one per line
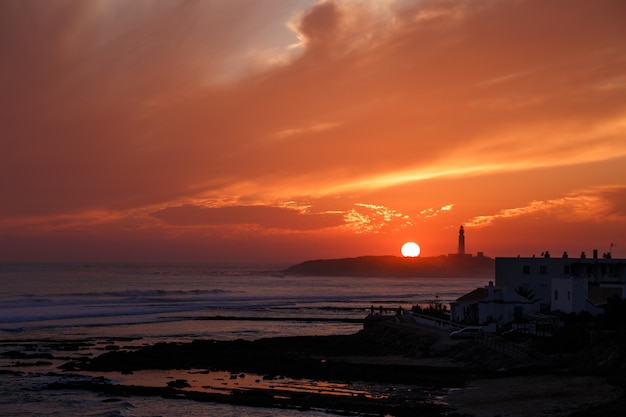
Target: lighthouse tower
461 241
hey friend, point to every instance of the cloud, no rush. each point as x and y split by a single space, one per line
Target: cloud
433 212
320 24
613 207
373 218
598 204
316 127
263 216
376 218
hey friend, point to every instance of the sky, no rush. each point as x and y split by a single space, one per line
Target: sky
284 130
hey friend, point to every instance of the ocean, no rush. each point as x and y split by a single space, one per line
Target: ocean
52 313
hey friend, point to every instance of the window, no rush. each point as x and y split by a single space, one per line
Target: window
566 269
556 295
543 269
526 269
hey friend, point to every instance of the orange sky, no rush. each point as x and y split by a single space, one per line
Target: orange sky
281 130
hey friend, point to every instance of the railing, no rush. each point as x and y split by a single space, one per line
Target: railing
507 348
441 324
487 340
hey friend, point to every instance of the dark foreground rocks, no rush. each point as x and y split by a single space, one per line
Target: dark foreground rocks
356 405
314 358
351 358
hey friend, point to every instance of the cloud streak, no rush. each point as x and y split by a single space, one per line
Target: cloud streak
597 204
261 216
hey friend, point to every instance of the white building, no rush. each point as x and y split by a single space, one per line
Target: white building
571 295
565 284
491 304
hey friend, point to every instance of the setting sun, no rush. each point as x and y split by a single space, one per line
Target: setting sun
410 250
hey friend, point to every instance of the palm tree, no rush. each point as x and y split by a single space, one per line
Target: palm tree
527 293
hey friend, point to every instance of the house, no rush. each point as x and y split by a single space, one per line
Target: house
570 295
491 304
566 284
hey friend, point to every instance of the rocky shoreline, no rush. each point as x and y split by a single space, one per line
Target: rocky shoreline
274 398
466 379
328 358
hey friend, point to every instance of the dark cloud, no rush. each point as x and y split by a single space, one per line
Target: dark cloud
616 199
319 25
263 216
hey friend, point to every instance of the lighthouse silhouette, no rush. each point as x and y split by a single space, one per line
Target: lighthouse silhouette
461 241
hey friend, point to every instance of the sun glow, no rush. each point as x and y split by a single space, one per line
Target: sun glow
410 250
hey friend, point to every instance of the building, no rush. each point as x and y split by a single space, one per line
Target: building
571 295
527 286
566 284
491 304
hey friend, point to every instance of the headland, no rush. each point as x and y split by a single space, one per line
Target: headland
437 266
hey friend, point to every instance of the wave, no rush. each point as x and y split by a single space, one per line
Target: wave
143 293
118 296
163 302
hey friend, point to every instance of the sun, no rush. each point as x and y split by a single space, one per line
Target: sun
410 250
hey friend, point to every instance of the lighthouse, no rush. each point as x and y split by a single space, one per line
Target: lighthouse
461 241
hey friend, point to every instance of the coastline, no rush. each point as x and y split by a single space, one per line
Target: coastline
461 387
381 266
124 360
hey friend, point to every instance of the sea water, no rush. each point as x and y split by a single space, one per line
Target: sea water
104 304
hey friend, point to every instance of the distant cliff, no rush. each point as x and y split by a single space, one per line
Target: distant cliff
440 266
